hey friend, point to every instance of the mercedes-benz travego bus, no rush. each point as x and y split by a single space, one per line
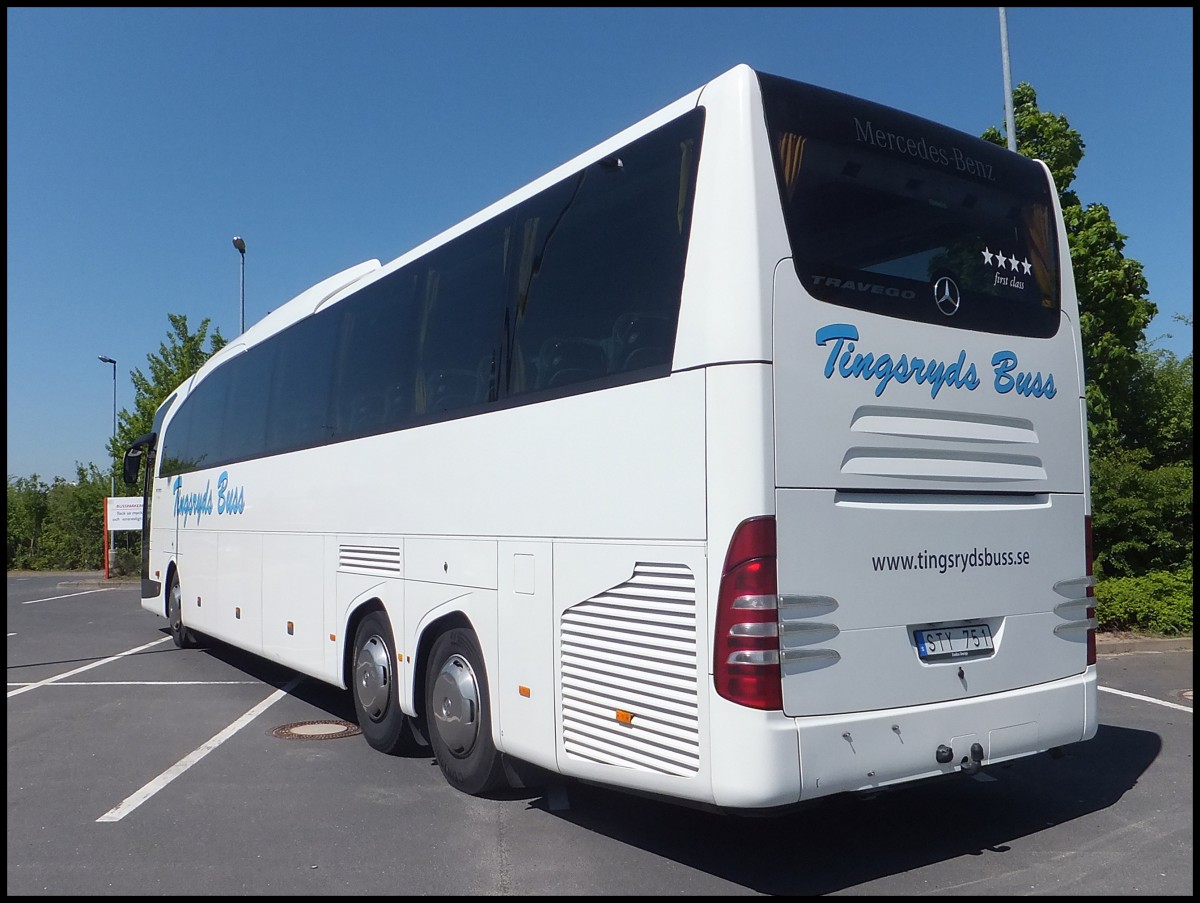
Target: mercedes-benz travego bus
740 461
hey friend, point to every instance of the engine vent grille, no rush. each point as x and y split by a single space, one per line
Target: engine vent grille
376 561
630 673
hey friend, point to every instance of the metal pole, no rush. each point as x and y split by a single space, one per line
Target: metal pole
1009 122
112 475
240 244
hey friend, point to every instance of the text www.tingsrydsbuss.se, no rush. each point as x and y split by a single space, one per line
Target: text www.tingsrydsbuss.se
946 562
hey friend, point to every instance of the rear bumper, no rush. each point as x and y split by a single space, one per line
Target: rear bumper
875 749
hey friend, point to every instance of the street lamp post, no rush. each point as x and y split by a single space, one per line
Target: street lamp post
112 477
1009 125
240 244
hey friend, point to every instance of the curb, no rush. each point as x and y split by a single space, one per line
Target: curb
100 582
1123 645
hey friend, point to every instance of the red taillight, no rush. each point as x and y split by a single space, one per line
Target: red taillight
746 645
1091 590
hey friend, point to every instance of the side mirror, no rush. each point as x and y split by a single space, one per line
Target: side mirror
129 467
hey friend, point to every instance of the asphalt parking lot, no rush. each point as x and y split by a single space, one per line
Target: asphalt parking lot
138 768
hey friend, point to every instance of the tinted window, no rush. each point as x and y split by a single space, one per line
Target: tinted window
246 403
206 410
174 440
600 264
576 289
298 409
222 420
374 387
461 299
897 215
193 437
159 416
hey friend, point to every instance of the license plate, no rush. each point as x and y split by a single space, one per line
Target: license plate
946 643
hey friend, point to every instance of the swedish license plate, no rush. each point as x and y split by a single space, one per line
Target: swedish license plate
946 643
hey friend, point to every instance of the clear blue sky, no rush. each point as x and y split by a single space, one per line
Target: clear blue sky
141 141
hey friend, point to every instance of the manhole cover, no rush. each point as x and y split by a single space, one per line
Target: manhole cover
315 730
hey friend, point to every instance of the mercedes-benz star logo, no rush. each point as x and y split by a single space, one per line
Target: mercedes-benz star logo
945 295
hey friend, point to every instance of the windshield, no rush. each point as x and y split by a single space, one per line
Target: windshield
896 215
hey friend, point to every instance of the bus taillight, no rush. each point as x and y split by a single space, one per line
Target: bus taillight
1091 590
746 647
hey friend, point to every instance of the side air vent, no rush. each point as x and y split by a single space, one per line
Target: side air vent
630 673
962 426
978 467
375 561
968 461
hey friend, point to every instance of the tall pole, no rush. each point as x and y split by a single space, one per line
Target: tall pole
240 244
112 476
1009 122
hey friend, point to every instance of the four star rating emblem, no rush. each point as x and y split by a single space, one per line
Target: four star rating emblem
1010 262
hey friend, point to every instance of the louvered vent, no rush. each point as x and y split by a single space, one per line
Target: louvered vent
376 561
964 462
630 673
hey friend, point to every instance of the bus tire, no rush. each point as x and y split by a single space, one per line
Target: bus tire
182 635
458 715
376 687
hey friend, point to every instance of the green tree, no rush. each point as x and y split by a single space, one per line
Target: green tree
26 516
1113 308
73 536
1163 387
60 526
180 356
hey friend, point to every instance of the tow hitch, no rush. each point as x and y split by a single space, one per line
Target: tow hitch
972 765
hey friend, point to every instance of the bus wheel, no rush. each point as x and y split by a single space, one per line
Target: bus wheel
183 636
376 694
458 717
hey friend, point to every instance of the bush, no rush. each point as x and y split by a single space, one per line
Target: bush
1141 515
127 562
1159 602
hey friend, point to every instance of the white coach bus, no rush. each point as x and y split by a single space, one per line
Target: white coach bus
740 461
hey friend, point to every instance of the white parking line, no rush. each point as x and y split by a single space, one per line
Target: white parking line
65 675
132 802
107 589
1170 705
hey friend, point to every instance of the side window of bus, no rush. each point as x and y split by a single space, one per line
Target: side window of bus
373 376
246 403
460 299
298 410
154 456
600 268
207 425
176 440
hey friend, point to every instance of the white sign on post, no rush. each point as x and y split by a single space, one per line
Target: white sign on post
124 513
